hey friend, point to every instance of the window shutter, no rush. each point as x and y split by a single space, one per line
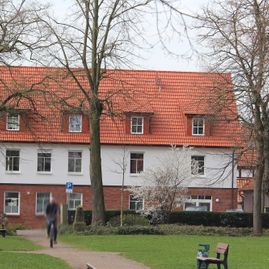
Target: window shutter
189 125
3 118
85 124
207 128
24 122
128 125
146 125
65 122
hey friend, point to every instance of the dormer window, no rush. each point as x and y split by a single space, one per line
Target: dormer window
137 125
75 123
198 126
13 122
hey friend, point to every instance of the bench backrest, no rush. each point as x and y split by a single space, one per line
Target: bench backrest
222 248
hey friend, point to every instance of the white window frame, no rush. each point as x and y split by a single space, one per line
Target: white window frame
197 127
18 199
44 210
74 172
137 173
198 174
9 122
74 200
137 125
75 130
198 200
136 201
12 157
45 151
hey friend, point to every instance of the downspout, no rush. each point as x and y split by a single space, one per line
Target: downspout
233 166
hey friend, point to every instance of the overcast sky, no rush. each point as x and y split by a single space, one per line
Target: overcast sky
157 58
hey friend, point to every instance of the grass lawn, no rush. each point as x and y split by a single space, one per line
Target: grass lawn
14 243
12 260
177 251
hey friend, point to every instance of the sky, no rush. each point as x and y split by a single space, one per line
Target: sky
157 58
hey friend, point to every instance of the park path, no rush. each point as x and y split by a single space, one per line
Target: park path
77 258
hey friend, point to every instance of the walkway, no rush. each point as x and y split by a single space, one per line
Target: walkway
78 259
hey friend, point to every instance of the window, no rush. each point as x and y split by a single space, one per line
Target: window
137 163
42 200
137 125
198 126
197 165
135 203
12 203
13 122
74 161
44 161
12 160
75 123
74 200
199 203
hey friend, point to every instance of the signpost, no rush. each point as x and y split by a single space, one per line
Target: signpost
69 187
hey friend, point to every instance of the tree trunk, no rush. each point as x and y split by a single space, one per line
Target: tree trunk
98 205
257 217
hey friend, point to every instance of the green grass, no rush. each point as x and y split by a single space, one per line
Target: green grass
13 260
177 251
14 243
10 260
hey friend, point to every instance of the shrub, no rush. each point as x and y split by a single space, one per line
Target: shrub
125 230
129 220
79 215
79 226
12 228
203 230
65 229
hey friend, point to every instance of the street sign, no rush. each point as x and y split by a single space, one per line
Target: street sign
69 187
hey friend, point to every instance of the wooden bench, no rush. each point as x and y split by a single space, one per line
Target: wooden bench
221 257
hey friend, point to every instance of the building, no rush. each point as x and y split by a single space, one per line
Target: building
45 144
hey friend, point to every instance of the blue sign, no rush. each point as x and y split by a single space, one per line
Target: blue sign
69 186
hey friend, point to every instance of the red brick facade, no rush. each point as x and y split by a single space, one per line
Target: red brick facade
221 200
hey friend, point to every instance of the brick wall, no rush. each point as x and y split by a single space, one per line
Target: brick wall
29 218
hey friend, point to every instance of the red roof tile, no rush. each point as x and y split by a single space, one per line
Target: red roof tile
169 96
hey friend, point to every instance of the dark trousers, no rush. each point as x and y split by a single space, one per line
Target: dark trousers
55 229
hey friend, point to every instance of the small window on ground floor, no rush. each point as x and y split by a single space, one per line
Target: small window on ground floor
136 203
199 203
74 200
42 200
12 203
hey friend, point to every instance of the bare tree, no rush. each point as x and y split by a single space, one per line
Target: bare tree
19 34
19 37
165 185
96 36
237 33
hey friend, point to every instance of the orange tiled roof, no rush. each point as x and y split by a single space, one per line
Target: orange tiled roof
168 96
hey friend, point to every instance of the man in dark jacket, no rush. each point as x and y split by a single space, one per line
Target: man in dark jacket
51 215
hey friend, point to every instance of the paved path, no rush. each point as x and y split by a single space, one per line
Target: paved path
78 259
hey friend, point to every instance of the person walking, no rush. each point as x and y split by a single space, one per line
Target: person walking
51 216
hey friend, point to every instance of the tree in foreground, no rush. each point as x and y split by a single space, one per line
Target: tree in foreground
164 187
237 33
99 34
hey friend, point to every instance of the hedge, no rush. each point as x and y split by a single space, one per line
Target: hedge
88 215
219 219
222 219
